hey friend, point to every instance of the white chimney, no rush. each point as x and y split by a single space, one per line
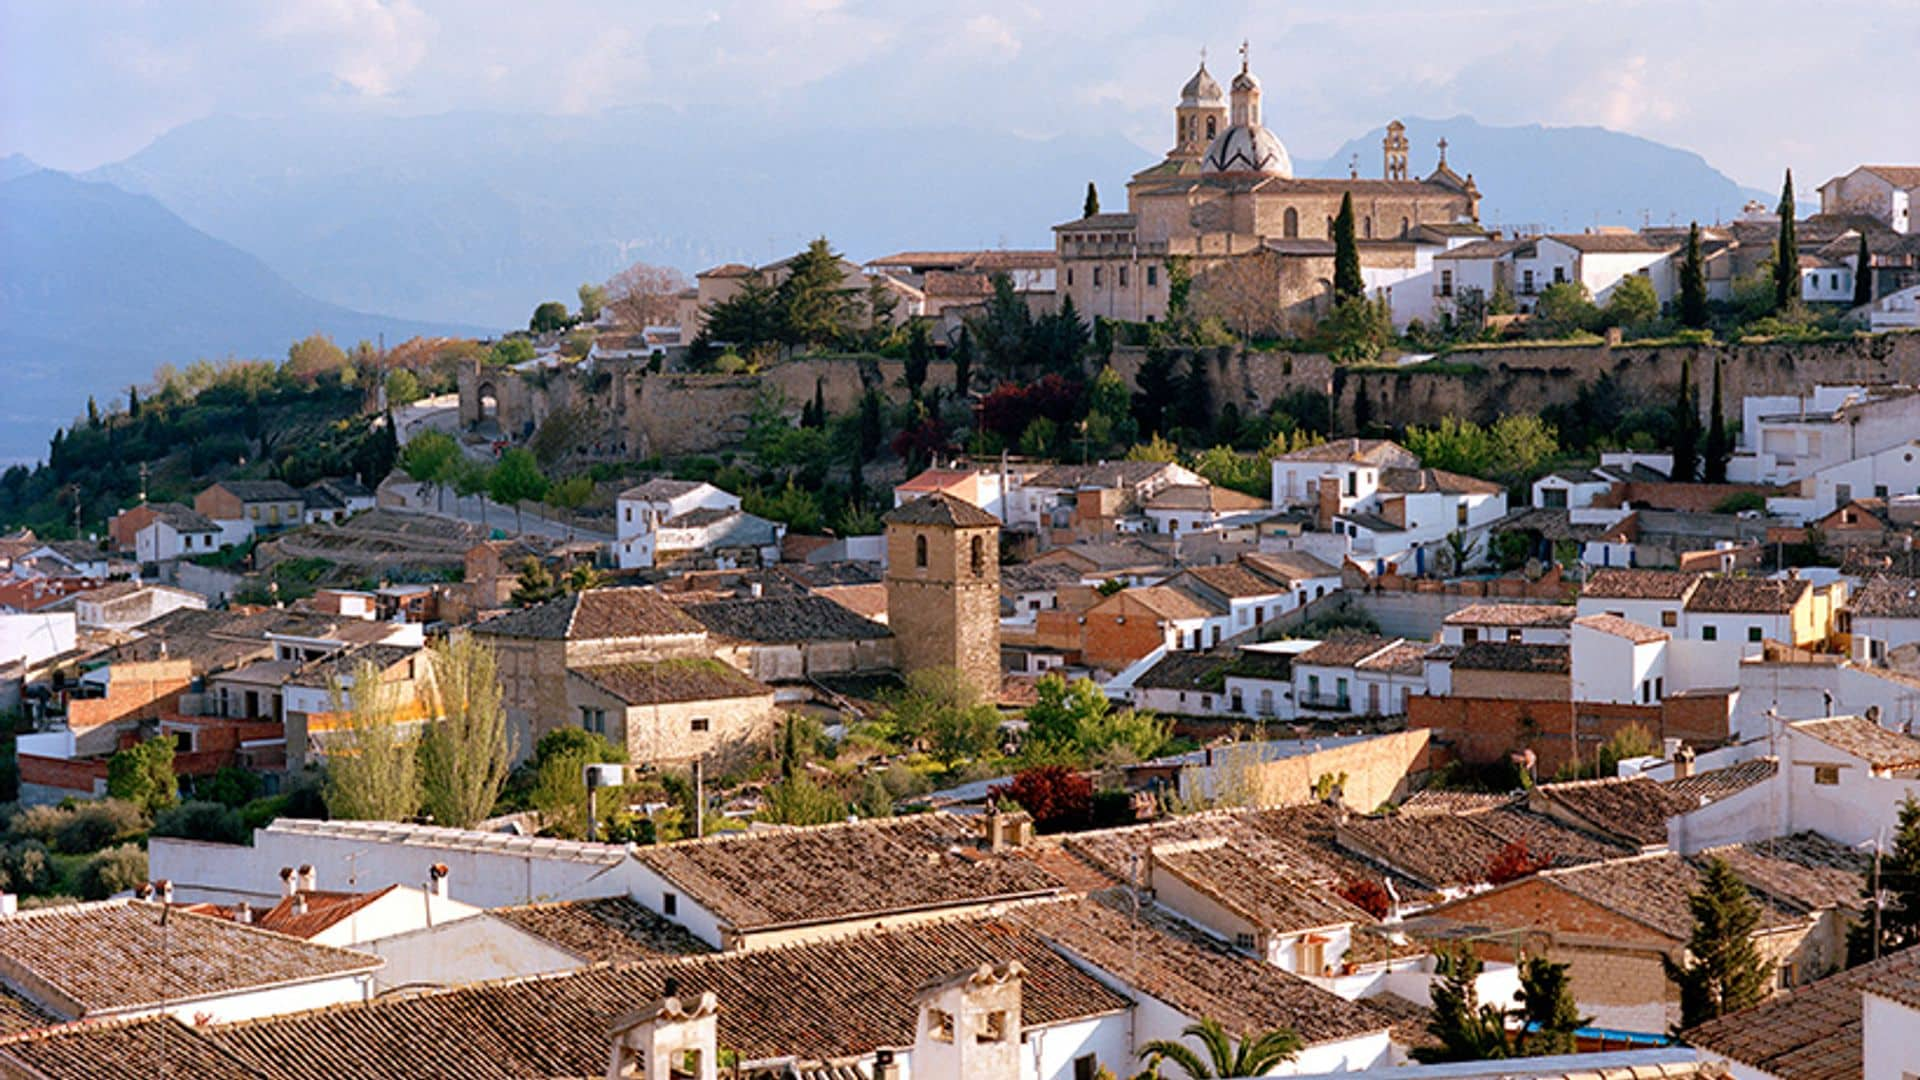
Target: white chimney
437 879
288 883
165 889
670 1032
9 904
308 882
243 914
300 903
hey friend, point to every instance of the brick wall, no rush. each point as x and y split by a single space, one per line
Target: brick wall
1481 730
135 692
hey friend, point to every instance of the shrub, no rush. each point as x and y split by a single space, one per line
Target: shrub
40 823
1112 807
1741 502
208 821
231 786
112 871
96 825
1368 895
1059 798
1513 863
261 813
25 868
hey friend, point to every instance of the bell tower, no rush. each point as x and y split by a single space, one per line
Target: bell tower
1394 147
1200 116
943 589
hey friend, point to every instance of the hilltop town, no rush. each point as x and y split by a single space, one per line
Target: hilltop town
1284 627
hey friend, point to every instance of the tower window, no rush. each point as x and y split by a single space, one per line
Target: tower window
1153 277
920 551
1096 277
1290 224
1123 275
979 556
1366 226
1211 122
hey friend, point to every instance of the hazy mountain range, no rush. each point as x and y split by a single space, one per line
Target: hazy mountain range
233 236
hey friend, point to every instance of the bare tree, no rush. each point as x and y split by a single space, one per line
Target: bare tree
645 295
1243 292
465 751
371 772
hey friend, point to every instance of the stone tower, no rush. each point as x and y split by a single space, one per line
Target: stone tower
1395 148
943 589
1199 117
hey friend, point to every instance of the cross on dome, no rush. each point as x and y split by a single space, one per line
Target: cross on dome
1443 149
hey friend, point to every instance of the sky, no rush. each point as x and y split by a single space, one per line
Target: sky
1753 85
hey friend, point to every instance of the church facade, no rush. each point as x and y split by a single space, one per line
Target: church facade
1227 191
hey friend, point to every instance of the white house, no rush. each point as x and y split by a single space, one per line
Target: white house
1897 310
1188 508
1407 518
1359 676
1784 438
641 512
1345 470
1530 624
1879 474
1598 260
1888 193
1617 661
1825 281
30 638
175 532
1795 684
1884 615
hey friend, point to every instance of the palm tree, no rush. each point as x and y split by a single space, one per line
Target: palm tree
1253 1055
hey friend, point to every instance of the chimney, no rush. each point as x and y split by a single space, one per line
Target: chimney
307 878
969 1025
288 883
437 880
668 1037
243 914
299 903
1873 715
9 904
884 1065
1683 763
165 889
143 891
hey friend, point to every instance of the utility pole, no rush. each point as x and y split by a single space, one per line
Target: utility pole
699 799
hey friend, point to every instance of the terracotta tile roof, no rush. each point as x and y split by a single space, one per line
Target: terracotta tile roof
1381 452
1865 740
1613 242
1759 596
593 615
1638 633
1634 809
1233 580
321 909
1514 656
1512 615
612 929
19 1014
661 489
1036 577
1168 602
116 1050
942 509
1416 481
106 957
782 619
773 878
1620 584
823 1000
249 491
671 681
1195 973
1445 852
1204 497
1403 658
867 599
1103 474
1290 566
1186 671
1887 598
1270 896
1443 801
1344 651
1906 176
1812 1033
1716 784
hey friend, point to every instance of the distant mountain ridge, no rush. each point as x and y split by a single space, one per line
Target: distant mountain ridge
1558 179
98 287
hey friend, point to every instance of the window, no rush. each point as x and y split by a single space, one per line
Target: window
1310 955
1659 688
701 723
1753 633
1123 276
977 556
669 904
920 551
1069 275
594 720
1669 618
1206 702
1709 633
1526 283
1290 223
1153 277
1646 691
993 1027
1787 978
1460 512
1096 277
1513 637
1086 1067
1559 275
1243 941
1366 226
940 1025
1469 635
1553 498
1211 122
1826 774
1446 283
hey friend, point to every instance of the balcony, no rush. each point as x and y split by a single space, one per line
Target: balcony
1327 702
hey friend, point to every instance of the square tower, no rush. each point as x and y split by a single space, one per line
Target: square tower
943 589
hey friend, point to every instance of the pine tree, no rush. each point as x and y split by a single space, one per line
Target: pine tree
1899 894
1466 1029
1719 442
1862 274
1786 256
1548 1014
1347 281
1092 206
1686 427
1693 283
93 413
963 362
1724 971
133 403
814 299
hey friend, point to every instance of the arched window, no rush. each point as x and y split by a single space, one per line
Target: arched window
920 551
979 556
1366 226
1406 227
1211 121
1290 224
1329 226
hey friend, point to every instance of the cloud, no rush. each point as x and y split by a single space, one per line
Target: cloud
370 46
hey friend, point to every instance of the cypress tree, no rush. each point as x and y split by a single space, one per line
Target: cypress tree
1693 283
1786 256
1092 206
1686 427
1900 885
963 362
1724 971
1863 274
1548 1014
919 355
1719 447
1347 282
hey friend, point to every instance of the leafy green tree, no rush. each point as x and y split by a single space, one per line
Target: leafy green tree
142 774
1179 287
1862 273
1348 283
536 584
1686 427
403 388
559 793
1563 310
919 355
112 871
510 351
799 800
1898 897
430 458
372 771
749 318
569 495
813 298
1004 330
1724 970
1356 331
1718 447
1092 205
465 750
1158 381
1517 447
1253 1054
941 710
1633 303
1109 410
1466 1029
1786 254
1548 1014
1693 282
1060 338
517 477
549 316
313 356
1079 716
209 821
593 300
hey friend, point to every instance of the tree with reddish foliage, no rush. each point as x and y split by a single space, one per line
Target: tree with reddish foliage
1513 863
923 439
1011 407
1059 798
1368 895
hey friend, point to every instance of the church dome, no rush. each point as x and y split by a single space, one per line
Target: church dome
1202 90
1246 80
1248 148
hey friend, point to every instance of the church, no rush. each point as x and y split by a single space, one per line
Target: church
1227 190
